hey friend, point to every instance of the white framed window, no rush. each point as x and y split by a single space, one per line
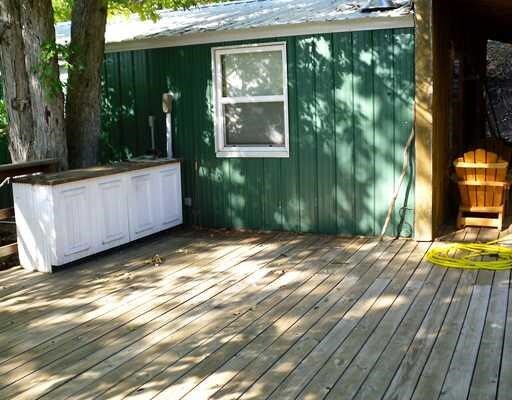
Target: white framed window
251 100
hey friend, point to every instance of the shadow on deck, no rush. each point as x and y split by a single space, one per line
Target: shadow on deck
255 316
475 234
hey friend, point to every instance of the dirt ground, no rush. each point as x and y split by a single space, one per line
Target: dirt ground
499 84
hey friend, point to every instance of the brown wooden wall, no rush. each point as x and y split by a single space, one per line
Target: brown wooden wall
442 112
450 111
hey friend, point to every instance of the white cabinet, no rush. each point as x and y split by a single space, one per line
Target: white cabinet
154 199
141 198
33 206
111 212
169 197
60 223
73 228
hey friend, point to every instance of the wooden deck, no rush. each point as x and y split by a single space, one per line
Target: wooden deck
257 316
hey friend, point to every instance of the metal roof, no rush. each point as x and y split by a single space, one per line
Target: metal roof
238 15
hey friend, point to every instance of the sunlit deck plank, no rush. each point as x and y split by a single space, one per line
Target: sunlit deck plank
132 290
403 286
144 300
78 295
93 352
253 288
265 371
407 313
40 284
258 315
302 279
398 272
487 368
265 330
118 266
410 338
458 378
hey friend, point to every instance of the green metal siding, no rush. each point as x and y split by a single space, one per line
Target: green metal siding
350 107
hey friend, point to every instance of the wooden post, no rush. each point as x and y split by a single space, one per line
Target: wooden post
423 124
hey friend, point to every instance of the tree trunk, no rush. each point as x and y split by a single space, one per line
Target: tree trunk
36 120
16 91
47 109
83 108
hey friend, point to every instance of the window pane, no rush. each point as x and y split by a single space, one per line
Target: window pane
254 124
252 74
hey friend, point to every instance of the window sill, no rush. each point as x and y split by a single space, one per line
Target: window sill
252 154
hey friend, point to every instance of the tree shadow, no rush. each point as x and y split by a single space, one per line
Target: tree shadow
350 102
228 313
65 323
73 337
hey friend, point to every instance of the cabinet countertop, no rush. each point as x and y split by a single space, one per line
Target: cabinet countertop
74 175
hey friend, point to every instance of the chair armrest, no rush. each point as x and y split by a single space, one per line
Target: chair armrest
484 183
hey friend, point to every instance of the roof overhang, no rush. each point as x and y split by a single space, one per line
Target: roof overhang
308 28
247 20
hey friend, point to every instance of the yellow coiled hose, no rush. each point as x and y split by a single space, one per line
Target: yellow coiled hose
489 256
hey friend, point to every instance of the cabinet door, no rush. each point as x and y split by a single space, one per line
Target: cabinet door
112 212
169 197
141 205
73 223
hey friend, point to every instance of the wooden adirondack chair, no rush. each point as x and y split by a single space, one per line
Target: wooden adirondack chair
483 189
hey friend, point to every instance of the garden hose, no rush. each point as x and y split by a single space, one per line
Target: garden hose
488 256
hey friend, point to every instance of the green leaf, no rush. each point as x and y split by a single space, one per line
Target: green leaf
146 9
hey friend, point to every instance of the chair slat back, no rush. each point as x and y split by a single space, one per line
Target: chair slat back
477 167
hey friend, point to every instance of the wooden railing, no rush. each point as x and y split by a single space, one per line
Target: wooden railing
8 171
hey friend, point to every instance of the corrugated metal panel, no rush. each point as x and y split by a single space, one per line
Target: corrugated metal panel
350 107
404 91
236 15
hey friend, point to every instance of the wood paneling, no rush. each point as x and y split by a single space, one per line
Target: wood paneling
423 125
260 316
350 108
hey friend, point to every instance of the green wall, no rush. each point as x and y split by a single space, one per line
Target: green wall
350 105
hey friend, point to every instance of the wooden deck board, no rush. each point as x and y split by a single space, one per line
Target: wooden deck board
258 316
263 335
114 260
433 374
346 328
217 314
406 375
235 335
406 314
182 311
85 308
487 368
505 377
119 268
458 379
51 350
401 287
130 302
210 337
269 368
422 320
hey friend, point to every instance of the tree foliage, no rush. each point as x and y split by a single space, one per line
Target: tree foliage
147 9
3 118
44 68
38 126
